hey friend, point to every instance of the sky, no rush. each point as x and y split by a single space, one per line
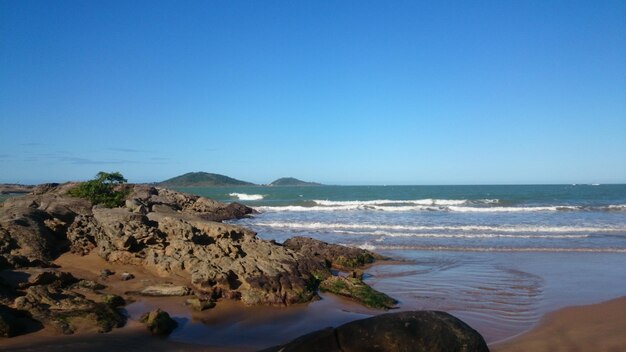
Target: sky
339 92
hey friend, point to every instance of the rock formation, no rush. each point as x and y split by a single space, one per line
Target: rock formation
420 331
171 234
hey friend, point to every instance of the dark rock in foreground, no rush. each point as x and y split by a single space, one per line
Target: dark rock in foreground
419 331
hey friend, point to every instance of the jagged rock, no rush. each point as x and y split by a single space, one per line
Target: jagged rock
104 273
15 322
159 322
8 322
420 331
166 290
113 301
334 255
66 311
357 290
176 235
90 285
57 279
199 305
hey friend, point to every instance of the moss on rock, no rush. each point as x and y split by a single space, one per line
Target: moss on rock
358 290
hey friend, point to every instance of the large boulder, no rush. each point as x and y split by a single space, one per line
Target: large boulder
159 322
419 331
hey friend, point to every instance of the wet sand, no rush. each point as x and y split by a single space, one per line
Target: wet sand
479 289
596 327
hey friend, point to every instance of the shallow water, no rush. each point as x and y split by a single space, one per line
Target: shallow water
498 294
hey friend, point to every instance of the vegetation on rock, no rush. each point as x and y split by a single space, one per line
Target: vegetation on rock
356 289
102 190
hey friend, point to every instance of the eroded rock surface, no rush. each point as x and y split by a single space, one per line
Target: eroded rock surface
168 232
334 255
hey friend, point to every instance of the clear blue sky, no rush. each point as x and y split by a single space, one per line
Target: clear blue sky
342 92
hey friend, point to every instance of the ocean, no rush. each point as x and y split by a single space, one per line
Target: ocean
498 257
554 218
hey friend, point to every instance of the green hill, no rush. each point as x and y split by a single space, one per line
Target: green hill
203 179
290 181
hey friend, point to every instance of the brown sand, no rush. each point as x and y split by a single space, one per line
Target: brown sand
596 327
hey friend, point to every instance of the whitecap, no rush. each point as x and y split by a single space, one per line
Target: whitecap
244 196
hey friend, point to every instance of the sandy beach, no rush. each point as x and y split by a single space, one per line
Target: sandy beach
596 327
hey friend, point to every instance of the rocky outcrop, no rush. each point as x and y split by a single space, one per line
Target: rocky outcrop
334 255
423 331
171 235
168 232
52 297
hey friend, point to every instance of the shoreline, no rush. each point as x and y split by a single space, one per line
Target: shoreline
594 327
599 327
224 327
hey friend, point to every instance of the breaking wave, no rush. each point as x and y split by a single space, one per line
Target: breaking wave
383 227
498 249
244 196
448 205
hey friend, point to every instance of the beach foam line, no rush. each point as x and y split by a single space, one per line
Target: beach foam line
426 201
449 208
498 249
457 235
244 196
484 228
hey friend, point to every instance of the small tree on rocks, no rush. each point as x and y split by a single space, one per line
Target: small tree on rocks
101 190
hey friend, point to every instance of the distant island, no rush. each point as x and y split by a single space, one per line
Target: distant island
206 179
290 181
203 179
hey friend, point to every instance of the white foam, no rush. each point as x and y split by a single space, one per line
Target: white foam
459 235
465 228
427 201
503 249
367 246
464 206
244 196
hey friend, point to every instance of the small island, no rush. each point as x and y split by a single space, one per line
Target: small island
203 179
290 181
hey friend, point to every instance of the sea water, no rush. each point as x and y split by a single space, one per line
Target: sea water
498 257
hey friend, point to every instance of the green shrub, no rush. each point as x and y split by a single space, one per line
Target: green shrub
101 190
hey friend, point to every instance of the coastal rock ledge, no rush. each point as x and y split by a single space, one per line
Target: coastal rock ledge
167 232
